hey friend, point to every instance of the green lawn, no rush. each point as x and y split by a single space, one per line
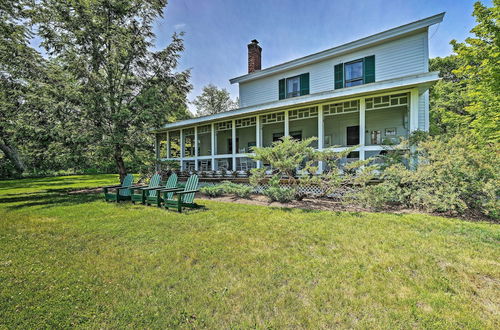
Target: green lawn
74 260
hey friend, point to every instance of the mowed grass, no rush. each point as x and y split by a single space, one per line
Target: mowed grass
74 260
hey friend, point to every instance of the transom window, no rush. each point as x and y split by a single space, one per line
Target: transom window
354 73
293 86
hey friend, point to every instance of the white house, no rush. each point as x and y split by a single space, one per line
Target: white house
368 92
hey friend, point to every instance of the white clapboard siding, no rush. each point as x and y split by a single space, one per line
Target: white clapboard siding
405 56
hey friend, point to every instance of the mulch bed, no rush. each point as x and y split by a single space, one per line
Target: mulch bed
319 204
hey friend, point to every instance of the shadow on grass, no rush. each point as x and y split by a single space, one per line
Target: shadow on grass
36 185
60 197
47 198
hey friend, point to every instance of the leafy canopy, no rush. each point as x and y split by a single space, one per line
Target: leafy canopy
126 87
214 100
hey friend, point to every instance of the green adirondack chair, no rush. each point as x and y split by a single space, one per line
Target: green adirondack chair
185 196
140 194
160 197
121 192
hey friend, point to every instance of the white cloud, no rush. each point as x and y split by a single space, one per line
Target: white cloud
179 26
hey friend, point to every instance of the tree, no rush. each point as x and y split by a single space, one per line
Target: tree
214 100
126 88
447 97
466 99
19 64
479 59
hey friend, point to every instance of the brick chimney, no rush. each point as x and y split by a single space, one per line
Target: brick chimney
254 56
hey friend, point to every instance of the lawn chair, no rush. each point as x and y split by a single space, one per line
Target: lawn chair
162 196
185 196
140 194
121 192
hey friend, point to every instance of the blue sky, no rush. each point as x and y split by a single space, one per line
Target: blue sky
217 31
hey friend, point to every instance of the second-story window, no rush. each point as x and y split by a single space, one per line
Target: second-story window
293 86
354 73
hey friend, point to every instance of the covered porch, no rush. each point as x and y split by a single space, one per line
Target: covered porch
373 122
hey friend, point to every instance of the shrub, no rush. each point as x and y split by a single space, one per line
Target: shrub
212 191
227 188
236 189
278 194
454 174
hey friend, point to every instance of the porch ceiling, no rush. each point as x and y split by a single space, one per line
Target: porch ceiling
421 81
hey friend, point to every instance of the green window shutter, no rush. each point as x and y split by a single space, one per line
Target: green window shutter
281 88
304 84
339 75
369 69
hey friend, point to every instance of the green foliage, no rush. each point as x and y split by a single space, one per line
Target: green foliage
236 189
227 188
480 55
276 193
339 177
452 176
467 97
285 155
126 88
447 97
212 191
214 100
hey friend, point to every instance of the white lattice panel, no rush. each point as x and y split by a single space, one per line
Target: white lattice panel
305 189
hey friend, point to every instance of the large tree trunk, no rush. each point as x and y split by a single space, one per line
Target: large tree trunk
120 164
13 155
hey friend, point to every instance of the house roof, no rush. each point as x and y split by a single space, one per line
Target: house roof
422 81
348 47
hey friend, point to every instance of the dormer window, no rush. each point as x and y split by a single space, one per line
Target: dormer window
354 73
293 86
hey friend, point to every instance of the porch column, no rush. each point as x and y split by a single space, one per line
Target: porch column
196 148
157 152
413 124
212 145
258 137
168 144
233 145
414 110
287 124
362 128
181 136
321 136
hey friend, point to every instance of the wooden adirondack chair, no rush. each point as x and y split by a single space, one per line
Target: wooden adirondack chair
160 197
185 196
121 192
139 194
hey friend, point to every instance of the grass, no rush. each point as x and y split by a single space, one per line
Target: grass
74 260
